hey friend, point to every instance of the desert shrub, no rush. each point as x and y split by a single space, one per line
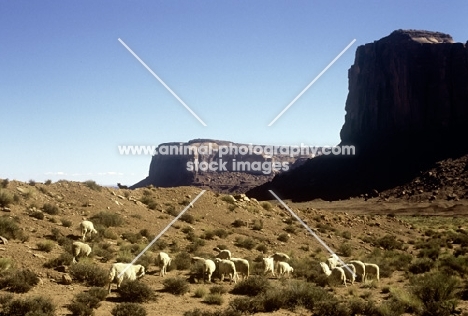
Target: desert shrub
66 222
20 281
228 198
89 273
4 183
107 219
214 298
50 209
188 218
262 248
239 223
195 245
345 250
171 210
92 185
437 292
232 207
218 289
46 245
421 266
247 243
267 206
221 233
389 242
37 214
182 261
290 229
346 234
5 198
135 291
125 309
176 286
9 228
160 244
84 303
252 286
132 237
245 305
257 224
32 182
431 253
200 292
331 308
6 263
30 306
103 250
283 237
48 182
363 307
452 264
65 258
208 235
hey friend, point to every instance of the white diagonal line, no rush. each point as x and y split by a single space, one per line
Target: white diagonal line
162 232
162 82
313 81
310 230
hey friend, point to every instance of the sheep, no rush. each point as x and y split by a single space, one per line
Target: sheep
372 269
268 266
350 272
360 269
223 254
336 273
226 267
163 261
242 267
122 186
284 268
209 267
132 272
279 256
79 248
332 261
87 227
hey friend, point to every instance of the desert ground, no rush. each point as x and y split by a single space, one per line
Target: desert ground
407 239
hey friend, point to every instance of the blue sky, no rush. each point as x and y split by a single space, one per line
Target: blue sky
71 93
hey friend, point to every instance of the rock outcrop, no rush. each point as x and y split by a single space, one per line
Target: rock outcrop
407 108
221 166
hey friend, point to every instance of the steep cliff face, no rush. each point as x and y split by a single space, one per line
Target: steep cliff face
407 107
221 166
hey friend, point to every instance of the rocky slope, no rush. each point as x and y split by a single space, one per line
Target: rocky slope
407 108
221 166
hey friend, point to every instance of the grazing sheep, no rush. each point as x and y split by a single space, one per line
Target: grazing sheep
122 186
372 269
223 254
79 248
360 269
350 272
279 256
131 273
163 261
336 273
226 267
268 266
332 261
242 267
87 227
209 267
284 268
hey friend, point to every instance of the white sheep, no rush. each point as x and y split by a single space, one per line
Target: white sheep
163 261
87 227
79 248
336 273
350 272
372 269
209 267
284 268
132 272
332 261
223 254
268 266
226 267
360 269
242 267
